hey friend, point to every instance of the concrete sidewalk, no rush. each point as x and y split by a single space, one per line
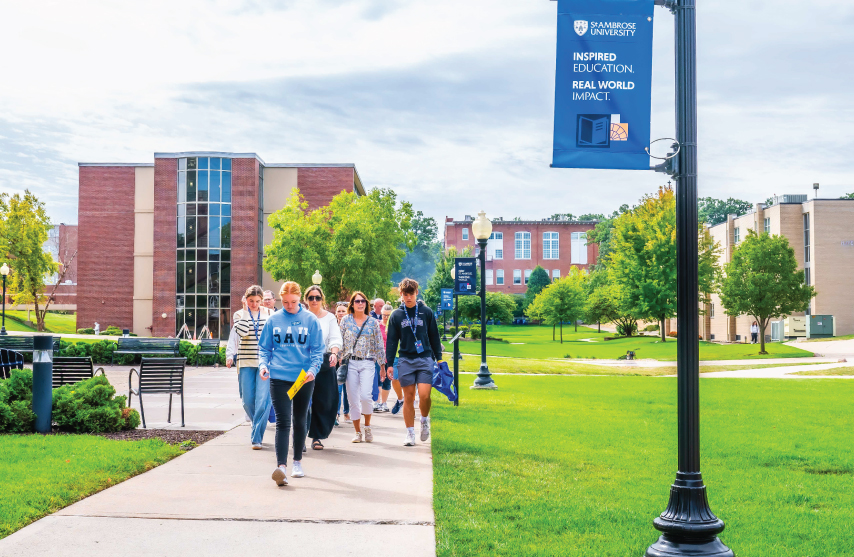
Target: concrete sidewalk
219 499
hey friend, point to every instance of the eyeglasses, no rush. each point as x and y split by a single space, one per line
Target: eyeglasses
268 299
360 301
314 298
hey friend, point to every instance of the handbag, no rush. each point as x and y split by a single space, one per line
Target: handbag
342 369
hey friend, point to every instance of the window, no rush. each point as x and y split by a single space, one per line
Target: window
203 256
578 248
527 275
523 245
767 225
517 276
495 245
499 277
806 240
555 274
711 311
736 235
489 277
551 245
465 233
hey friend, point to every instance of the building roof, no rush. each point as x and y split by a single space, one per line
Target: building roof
525 222
115 164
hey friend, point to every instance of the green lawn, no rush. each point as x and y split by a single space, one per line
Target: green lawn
578 466
12 325
42 474
536 342
54 322
845 337
845 370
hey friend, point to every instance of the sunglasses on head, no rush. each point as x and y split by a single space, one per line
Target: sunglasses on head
314 298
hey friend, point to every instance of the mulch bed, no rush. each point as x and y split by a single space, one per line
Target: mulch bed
171 436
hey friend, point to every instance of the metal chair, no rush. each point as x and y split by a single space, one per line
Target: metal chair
158 375
9 360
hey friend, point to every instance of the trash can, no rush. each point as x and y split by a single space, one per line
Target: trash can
43 382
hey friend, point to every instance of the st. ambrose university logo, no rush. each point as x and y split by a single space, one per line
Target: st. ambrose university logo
580 27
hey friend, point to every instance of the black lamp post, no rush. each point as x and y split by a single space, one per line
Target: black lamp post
482 228
688 526
4 270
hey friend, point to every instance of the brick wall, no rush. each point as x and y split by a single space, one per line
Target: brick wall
105 242
165 246
244 227
320 184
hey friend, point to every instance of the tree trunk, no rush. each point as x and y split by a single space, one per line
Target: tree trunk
576 325
561 332
39 315
554 326
599 326
762 324
661 329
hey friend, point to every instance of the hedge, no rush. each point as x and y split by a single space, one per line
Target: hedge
101 353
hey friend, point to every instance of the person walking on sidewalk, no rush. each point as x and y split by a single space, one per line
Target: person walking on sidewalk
269 301
384 378
413 326
754 333
243 348
363 348
395 384
324 401
291 342
340 313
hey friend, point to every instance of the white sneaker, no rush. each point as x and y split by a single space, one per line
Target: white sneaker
296 471
425 430
256 446
369 435
358 437
280 475
410 439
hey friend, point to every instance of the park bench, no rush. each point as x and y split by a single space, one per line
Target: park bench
158 376
147 346
23 344
68 370
9 360
208 347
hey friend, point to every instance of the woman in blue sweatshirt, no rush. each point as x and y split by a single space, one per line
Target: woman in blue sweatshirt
290 342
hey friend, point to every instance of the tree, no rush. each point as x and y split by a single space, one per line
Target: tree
538 280
354 242
715 211
24 227
763 281
441 278
848 196
562 301
422 250
591 216
499 306
708 269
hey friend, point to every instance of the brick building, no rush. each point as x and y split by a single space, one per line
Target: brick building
178 240
516 247
822 235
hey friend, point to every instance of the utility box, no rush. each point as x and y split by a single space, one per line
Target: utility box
795 327
821 326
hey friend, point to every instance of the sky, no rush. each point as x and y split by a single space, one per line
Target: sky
449 103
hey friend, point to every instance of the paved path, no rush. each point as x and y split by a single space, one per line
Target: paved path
219 499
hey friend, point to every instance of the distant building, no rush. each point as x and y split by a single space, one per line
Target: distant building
62 245
516 247
821 231
179 240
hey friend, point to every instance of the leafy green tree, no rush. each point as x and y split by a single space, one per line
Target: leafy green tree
499 306
538 280
714 211
354 242
422 250
24 227
592 216
708 269
848 196
763 281
562 301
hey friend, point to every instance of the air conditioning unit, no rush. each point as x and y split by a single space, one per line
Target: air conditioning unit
790 199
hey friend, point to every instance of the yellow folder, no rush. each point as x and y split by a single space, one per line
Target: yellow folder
297 384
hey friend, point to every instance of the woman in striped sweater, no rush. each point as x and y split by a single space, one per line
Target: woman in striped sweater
245 333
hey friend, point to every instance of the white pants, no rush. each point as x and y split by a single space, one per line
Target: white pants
361 376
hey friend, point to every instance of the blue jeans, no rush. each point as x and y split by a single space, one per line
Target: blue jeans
342 395
256 400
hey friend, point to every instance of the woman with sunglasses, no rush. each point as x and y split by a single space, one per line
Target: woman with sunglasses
324 400
363 348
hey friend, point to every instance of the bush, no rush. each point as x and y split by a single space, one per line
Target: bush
653 327
672 334
475 332
627 330
86 331
452 330
16 402
91 406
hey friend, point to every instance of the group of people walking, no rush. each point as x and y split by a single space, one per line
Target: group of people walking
351 358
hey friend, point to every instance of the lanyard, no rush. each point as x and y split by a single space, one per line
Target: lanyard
413 322
255 322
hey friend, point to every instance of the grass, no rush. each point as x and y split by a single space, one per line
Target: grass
548 466
846 370
42 474
54 322
555 367
845 337
537 343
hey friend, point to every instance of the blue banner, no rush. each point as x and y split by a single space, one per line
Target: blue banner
447 298
603 84
464 276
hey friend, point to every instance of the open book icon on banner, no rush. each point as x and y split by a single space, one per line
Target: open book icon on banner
599 130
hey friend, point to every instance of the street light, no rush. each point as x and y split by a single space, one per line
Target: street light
482 228
316 278
4 270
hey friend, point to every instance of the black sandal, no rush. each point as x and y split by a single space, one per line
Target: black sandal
317 445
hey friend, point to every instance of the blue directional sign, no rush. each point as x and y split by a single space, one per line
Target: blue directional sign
464 276
603 85
447 299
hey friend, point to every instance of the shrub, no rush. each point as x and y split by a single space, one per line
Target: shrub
16 402
653 327
86 331
475 332
91 406
672 334
627 330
